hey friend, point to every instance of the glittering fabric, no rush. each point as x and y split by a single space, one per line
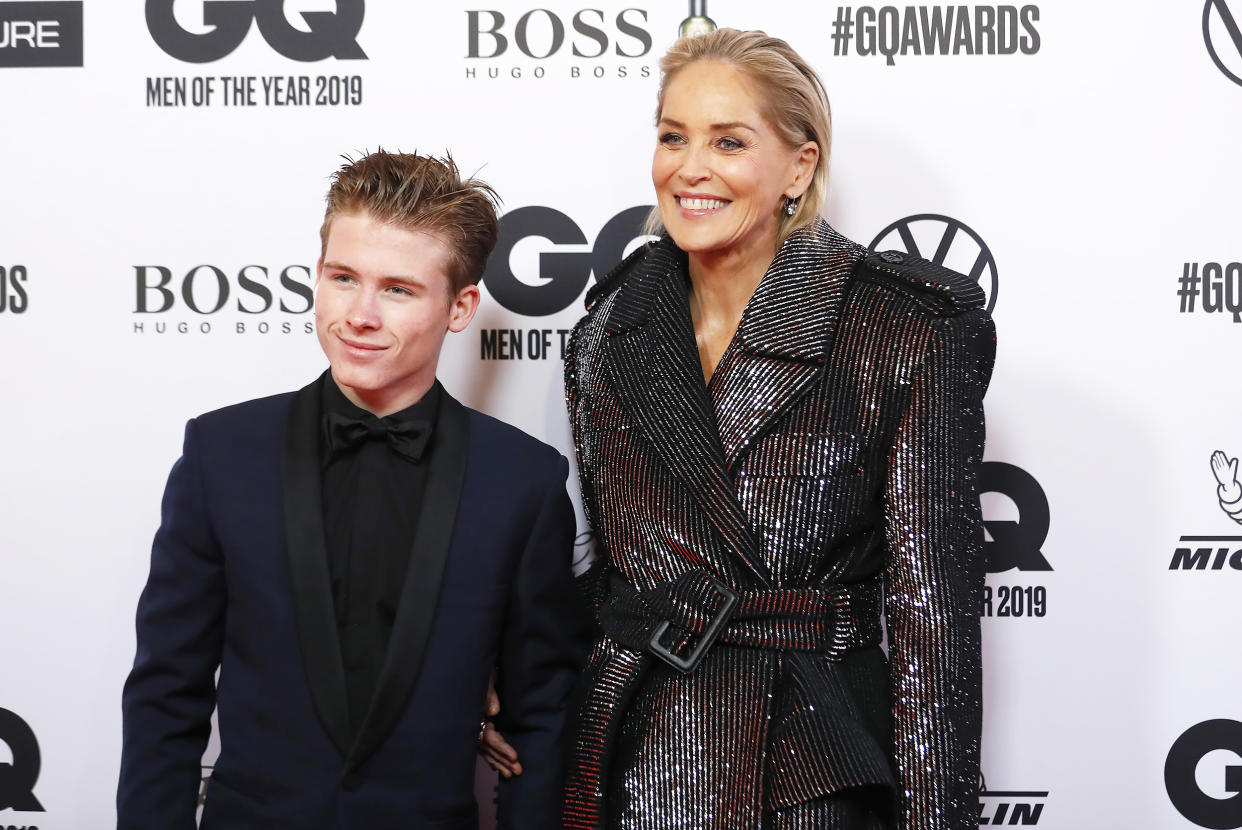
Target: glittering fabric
684 611
836 446
851 810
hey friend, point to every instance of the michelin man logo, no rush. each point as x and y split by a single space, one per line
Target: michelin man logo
1214 552
1228 491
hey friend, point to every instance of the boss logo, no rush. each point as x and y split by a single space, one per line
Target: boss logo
13 297
561 276
206 289
330 35
541 33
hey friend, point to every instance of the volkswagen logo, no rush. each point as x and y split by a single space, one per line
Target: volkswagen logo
1222 33
946 242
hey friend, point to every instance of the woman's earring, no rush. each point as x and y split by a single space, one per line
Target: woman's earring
791 206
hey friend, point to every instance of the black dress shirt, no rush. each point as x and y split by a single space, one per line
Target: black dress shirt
372 495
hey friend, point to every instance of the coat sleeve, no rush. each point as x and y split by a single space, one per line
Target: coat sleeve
935 576
592 583
542 650
170 692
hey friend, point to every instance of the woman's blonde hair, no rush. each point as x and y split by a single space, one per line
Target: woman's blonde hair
791 97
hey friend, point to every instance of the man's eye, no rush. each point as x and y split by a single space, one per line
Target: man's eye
400 290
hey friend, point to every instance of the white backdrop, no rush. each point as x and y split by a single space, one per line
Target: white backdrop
1090 146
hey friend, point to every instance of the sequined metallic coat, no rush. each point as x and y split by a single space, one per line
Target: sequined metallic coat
826 475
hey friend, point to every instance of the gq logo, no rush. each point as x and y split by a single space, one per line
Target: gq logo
331 35
1015 543
953 245
1222 811
17 779
562 275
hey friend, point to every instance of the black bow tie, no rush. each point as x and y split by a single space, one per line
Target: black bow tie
409 438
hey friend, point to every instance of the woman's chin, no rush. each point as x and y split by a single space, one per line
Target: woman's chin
694 240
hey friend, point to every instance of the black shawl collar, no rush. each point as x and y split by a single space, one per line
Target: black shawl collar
312 593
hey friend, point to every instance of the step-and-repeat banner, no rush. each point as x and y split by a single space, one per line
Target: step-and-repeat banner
162 176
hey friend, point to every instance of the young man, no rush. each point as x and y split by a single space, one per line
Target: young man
354 558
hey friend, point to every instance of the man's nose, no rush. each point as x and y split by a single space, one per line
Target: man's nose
363 312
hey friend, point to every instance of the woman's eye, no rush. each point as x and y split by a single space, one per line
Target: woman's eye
727 143
671 138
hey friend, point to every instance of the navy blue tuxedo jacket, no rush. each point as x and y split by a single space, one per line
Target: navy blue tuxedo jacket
239 583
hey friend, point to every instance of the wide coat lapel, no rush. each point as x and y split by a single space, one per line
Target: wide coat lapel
654 365
784 338
416 610
308 566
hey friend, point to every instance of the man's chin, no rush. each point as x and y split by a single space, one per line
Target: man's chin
352 378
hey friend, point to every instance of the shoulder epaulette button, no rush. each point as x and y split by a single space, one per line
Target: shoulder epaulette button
940 289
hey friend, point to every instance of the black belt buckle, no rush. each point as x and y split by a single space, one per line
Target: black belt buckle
687 664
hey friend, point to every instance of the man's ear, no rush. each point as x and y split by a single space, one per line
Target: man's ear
462 308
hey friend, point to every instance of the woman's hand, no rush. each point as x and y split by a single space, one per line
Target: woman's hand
492 745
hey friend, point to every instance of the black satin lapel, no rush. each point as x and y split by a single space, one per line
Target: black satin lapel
784 338
308 567
445 476
659 382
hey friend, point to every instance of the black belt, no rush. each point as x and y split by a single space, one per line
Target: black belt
665 619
